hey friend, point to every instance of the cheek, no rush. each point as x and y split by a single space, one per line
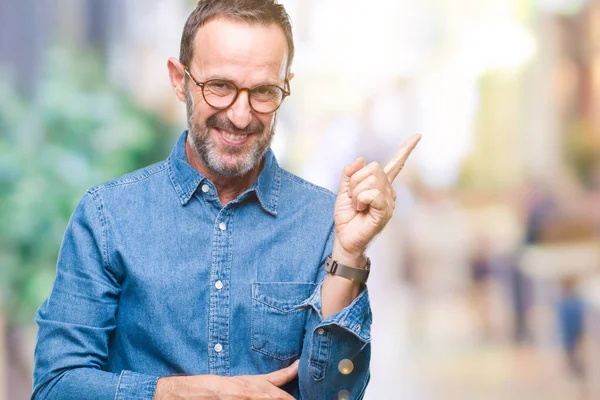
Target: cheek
201 113
267 121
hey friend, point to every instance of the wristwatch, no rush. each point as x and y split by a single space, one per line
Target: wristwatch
359 275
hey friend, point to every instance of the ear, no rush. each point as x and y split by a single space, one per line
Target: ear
177 77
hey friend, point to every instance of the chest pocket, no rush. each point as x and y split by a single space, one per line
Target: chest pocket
277 324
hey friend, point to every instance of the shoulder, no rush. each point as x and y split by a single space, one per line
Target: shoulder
142 176
295 183
135 190
297 195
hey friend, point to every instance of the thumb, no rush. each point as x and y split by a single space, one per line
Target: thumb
284 375
350 170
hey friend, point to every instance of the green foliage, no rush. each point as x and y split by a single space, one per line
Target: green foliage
77 131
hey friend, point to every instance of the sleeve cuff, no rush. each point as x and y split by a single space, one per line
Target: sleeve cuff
355 318
136 386
344 336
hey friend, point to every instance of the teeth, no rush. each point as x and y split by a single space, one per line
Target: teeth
231 136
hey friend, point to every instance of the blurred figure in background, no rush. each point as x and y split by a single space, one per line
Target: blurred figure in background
570 309
480 274
539 208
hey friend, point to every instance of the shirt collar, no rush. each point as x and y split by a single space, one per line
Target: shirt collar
186 179
268 183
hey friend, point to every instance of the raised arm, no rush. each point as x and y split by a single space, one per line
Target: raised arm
337 345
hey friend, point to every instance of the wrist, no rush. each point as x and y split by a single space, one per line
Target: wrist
173 387
163 388
350 258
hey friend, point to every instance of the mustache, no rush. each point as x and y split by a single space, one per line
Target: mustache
223 123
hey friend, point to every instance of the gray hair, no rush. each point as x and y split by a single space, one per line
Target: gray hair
264 12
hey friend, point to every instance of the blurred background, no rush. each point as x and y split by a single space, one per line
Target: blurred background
486 282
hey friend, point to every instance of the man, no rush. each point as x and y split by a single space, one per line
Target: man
202 277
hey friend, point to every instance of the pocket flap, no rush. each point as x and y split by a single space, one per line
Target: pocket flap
283 296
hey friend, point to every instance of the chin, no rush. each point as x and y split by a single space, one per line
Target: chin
231 167
230 161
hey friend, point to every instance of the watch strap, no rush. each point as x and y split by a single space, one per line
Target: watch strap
359 275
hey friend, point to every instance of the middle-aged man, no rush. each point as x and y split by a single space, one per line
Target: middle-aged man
208 275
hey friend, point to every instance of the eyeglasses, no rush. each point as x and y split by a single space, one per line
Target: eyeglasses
220 94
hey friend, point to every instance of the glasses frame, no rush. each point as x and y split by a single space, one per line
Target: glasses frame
201 85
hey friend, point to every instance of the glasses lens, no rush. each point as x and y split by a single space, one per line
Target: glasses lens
266 98
219 94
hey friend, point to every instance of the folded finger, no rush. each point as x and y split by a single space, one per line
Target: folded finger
371 169
369 183
370 198
349 171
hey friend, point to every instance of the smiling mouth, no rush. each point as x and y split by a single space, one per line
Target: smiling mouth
233 138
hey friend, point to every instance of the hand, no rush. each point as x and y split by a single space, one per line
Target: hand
214 387
365 203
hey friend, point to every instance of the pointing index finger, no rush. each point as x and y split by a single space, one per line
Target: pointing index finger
393 168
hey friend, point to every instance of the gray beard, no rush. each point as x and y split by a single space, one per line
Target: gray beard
209 154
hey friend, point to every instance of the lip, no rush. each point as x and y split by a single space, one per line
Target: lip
230 142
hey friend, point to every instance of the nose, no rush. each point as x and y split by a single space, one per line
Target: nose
240 113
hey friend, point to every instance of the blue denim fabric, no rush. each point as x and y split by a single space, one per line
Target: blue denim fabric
154 273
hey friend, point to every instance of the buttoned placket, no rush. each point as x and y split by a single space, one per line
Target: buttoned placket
219 298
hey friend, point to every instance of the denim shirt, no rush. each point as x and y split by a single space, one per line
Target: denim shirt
156 278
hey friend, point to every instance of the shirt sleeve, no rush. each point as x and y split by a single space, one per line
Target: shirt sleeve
78 318
334 363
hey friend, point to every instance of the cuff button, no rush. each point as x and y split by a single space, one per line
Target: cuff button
346 366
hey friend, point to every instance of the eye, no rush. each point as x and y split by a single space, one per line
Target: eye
266 92
219 85
220 88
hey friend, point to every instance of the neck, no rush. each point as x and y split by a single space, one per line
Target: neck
228 189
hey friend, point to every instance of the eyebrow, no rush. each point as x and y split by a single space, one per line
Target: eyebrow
222 78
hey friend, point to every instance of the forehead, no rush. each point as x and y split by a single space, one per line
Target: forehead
240 51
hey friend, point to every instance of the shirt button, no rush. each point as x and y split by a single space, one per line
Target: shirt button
321 331
222 226
205 188
218 348
219 285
